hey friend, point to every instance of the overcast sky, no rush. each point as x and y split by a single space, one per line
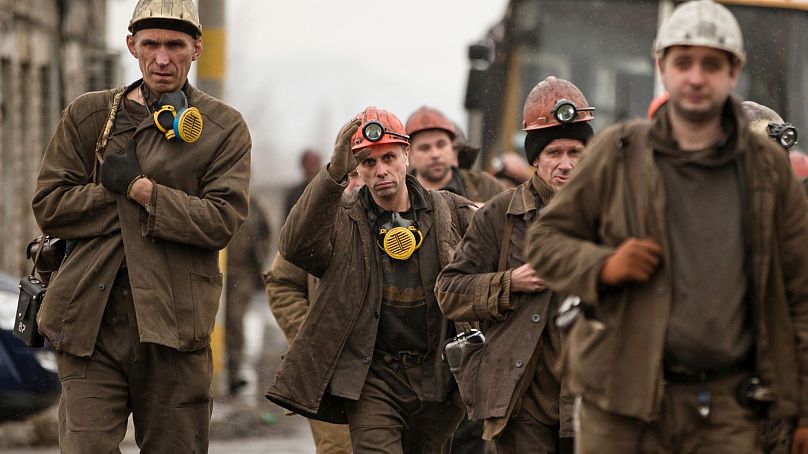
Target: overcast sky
298 70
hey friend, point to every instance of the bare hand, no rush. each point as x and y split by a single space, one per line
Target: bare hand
799 444
141 191
524 279
634 260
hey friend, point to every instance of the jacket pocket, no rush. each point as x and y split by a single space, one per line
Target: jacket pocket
590 354
469 367
206 291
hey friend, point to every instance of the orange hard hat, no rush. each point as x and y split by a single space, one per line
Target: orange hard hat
656 103
799 163
381 125
555 102
429 118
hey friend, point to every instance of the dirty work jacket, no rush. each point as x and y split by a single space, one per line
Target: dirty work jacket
200 200
328 235
472 288
289 290
480 186
618 366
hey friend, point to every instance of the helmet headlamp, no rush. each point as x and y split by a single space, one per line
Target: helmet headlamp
784 133
565 111
373 131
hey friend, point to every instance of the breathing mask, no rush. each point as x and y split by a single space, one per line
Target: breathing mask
397 237
174 118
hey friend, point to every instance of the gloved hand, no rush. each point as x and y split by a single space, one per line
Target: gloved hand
634 260
119 170
799 444
343 160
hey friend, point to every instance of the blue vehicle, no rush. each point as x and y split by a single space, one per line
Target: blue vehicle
28 380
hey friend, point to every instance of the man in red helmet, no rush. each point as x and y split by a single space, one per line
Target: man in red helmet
510 380
368 352
684 237
434 159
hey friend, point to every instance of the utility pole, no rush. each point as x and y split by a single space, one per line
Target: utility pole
210 74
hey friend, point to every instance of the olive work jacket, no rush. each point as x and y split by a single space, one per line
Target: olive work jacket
617 363
473 288
328 235
200 200
289 290
480 187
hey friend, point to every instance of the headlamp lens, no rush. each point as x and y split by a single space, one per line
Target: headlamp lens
565 112
788 137
373 131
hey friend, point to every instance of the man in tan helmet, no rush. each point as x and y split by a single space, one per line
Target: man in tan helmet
146 211
435 160
510 381
684 237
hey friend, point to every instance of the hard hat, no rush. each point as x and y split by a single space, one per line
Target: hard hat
555 102
767 122
799 163
429 118
180 15
656 103
378 127
701 23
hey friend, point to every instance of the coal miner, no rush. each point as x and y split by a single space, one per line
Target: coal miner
368 352
147 183
684 238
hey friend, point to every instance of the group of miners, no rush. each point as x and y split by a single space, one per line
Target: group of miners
641 290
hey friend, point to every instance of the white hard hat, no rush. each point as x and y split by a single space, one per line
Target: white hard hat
701 23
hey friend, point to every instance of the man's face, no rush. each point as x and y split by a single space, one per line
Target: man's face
164 57
699 80
384 170
433 155
556 161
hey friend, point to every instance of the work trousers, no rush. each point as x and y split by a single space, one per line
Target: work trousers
168 392
330 438
729 427
468 439
390 416
238 298
525 435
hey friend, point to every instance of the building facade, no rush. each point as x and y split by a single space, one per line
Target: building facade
51 51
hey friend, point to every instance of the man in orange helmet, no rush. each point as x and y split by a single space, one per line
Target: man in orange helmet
435 160
368 352
511 381
684 239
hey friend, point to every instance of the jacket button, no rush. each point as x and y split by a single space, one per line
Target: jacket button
518 363
101 287
366 360
376 314
660 290
535 318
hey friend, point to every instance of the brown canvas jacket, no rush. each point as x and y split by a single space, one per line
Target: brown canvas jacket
472 288
328 235
480 186
200 200
617 364
289 290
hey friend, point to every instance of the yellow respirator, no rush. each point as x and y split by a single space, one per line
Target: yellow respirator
175 119
398 238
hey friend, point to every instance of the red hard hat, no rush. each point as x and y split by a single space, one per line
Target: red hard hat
393 129
543 103
429 118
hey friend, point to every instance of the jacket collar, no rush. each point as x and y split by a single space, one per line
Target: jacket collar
528 195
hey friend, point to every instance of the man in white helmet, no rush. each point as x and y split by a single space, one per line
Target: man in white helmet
146 211
684 237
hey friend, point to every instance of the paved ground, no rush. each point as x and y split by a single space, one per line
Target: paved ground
247 424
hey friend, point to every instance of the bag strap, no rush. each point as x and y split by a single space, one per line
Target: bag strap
636 198
505 246
38 250
101 144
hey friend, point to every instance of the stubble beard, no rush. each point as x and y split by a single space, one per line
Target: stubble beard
698 116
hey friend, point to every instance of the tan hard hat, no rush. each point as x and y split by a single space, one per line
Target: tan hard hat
153 12
701 23
760 116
